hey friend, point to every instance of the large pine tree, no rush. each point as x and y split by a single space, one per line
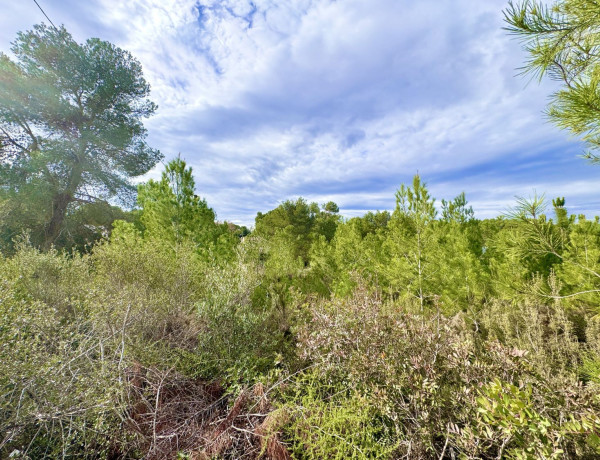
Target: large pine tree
71 128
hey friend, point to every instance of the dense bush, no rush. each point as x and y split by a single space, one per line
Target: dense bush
438 386
60 377
388 336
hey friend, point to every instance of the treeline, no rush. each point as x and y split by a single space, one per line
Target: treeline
410 334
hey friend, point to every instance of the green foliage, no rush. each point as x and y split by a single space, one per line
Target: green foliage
410 368
59 385
165 334
434 263
382 336
462 278
507 416
71 124
579 271
171 210
562 43
568 249
356 248
456 210
302 221
527 246
242 337
439 388
562 218
411 241
590 366
292 244
328 421
415 206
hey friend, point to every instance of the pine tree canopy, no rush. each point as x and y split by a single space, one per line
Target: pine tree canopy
562 42
70 125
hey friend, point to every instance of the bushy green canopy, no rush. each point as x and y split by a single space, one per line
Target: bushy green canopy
71 126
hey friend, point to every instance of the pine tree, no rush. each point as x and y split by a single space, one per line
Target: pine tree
171 210
411 241
563 44
71 130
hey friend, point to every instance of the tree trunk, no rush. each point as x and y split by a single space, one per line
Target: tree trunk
59 210
60 202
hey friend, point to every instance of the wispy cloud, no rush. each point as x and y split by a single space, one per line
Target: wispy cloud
269 100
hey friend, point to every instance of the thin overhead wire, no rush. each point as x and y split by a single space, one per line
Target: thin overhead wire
44 13
69 45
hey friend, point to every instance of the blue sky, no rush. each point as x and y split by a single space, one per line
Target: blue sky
336 100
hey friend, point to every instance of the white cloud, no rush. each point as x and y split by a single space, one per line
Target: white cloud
275 99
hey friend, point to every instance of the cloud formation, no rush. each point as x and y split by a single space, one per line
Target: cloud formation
342 101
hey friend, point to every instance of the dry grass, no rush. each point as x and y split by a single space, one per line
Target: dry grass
172 414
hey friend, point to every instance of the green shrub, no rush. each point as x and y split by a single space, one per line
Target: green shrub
59 379
510 420
422 374
330 421
242 334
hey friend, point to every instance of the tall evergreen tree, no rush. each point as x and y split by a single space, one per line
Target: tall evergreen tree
411 240
171 210
71 128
